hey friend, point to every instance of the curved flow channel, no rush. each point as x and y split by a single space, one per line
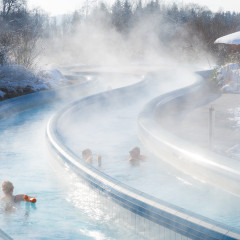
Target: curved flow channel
205 165
177 220
25 161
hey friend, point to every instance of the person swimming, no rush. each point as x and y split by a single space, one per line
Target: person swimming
9 199
87 155
135 157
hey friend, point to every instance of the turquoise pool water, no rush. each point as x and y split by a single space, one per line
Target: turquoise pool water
65 208
112 132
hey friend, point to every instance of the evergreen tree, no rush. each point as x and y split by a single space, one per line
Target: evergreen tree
138 13
76 19
117 15
126 15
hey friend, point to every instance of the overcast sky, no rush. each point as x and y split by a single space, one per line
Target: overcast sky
55 7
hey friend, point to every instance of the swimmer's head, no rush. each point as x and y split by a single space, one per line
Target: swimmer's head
86 153
135 152
7 187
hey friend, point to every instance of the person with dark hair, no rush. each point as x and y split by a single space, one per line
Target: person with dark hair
87 156
135 157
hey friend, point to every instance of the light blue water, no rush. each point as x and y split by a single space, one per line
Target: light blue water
112 132
66 209
63 209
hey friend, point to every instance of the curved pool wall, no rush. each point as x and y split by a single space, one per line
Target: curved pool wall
160 219
4 236
205 165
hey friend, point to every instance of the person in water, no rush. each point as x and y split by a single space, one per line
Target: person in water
87 155
9 198
135 157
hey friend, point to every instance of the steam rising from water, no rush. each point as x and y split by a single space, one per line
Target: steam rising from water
95 41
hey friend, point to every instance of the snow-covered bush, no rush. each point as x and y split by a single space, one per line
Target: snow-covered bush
16 80
52 78
228 77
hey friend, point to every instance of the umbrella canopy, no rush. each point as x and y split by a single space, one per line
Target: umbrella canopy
231 39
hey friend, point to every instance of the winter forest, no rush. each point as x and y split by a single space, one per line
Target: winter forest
117 33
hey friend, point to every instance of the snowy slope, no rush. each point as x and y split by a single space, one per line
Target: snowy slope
16 80
228 77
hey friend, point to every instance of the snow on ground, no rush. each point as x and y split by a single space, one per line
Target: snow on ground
228 77
16 80
235 117
52 78
2 94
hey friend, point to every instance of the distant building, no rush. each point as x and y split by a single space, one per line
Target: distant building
229 47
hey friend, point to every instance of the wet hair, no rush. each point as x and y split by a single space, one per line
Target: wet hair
135 150
86 153
7 187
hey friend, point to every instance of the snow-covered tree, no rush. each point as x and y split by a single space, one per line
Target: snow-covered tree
19 33
117 15
76 19
11 6
126 15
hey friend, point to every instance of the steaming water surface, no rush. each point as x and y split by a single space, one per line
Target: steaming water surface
112 132
65 208
25 161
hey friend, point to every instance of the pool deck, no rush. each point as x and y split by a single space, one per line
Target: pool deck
194 125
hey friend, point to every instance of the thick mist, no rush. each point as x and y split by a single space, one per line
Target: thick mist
152 39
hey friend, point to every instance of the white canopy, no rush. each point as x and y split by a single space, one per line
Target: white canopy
233 38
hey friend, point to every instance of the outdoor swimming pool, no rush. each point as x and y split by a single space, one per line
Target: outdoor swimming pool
66 207
111 131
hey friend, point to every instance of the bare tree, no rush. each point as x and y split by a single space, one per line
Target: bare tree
19 34
9 6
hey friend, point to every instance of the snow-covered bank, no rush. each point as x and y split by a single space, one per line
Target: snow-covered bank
194 125
16 81
228 78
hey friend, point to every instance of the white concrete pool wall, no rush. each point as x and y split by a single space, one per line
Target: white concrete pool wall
206 165
15 105
173 222
4 236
